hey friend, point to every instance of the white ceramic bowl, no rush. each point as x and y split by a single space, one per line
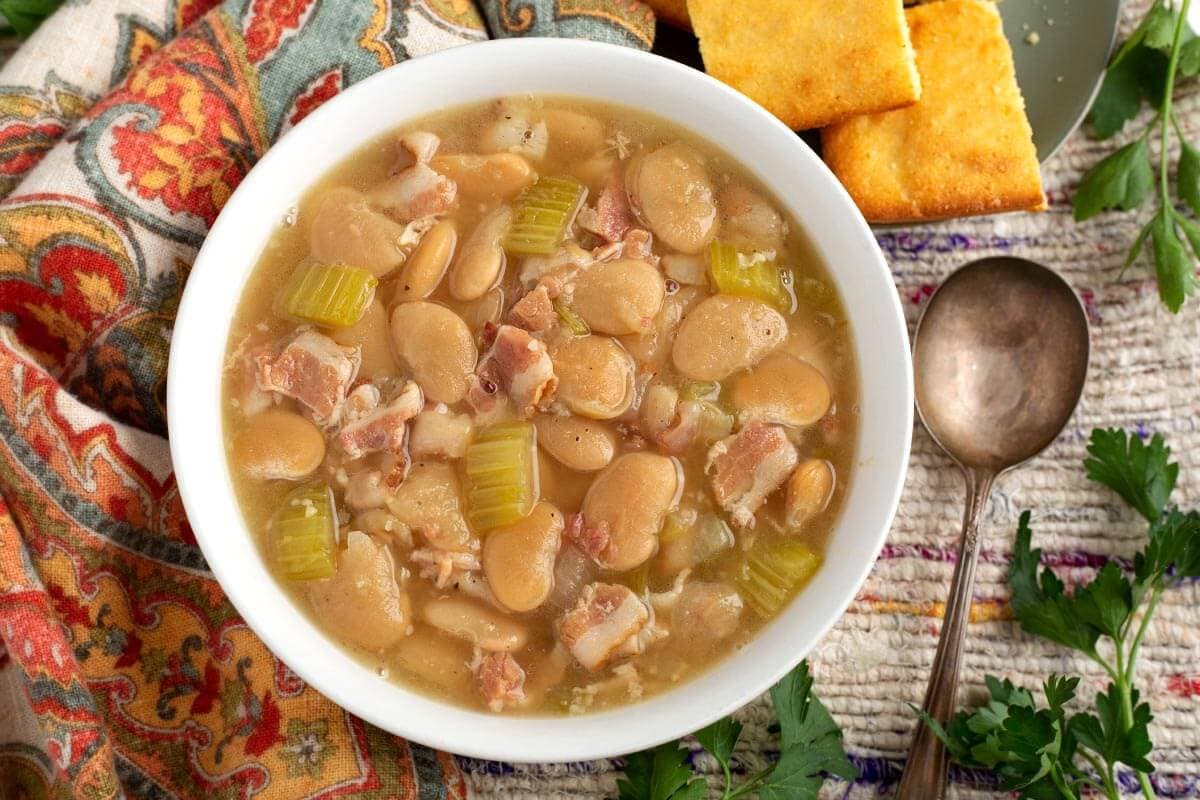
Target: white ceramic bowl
602 72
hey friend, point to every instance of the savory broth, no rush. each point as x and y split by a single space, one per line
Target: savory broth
557 471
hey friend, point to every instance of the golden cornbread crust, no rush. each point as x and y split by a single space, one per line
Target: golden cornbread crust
810 62
672 12
966 148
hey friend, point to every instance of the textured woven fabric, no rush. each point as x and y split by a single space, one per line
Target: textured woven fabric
122 668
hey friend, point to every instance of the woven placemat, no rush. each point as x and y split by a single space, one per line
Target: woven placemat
1144 375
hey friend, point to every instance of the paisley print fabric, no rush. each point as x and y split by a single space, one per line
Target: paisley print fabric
124 127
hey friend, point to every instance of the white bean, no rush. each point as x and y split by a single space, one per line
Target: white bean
782 389
436 346
479 625
370 335
670 191
347 230
630 499
427 265
595 376
580 444
619 297
278 444
518 560
481 259
808 491
495 178
726 334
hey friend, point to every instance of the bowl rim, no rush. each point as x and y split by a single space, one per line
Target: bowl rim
198 453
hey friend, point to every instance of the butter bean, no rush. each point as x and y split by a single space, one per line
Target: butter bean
436 346
726 334
278 444
481 259
518 560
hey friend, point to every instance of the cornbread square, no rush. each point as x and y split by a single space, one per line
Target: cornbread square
965 148
672 12
810 62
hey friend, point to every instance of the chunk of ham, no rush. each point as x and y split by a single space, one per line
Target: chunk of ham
313 369
419 191
376 426
747 467
499 680
607 624
421 145
612 216
363 603
519 364
535 311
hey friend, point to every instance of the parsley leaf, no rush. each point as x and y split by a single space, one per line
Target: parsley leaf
1109 737
1172 261
1160 50
811 744
26 15
1142 474
1043 752
660 774
1122 180
1174 542
805 723
1187 179
719 739
1042 607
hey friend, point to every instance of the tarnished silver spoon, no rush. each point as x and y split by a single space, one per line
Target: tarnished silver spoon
1000 356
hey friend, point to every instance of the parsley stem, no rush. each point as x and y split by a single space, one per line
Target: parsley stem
1165 116
1155 596
752 784
1105 775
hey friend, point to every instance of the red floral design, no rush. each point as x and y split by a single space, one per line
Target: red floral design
270 20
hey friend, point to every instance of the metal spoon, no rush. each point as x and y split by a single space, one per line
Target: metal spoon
1000 356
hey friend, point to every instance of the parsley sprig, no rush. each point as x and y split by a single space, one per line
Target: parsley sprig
1161 50
810 745
24 16
1044 751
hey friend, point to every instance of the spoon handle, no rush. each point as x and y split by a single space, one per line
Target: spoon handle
925 774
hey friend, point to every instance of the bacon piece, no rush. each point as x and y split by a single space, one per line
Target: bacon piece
604 625
519 364
419 191
535 311
747 466
313 369
591 539
499 680
381 427
613 214
421 145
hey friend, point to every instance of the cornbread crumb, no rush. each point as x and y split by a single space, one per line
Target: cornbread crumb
1032 38
810 63
965 148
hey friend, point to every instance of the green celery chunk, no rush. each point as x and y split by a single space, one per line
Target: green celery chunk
715 422
543 214
699 390
303 533
502 478
772 572
753 274
573 322
333 295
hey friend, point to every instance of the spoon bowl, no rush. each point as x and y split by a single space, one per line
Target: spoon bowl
1000 356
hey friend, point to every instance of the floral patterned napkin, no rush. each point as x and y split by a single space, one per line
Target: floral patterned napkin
124 127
